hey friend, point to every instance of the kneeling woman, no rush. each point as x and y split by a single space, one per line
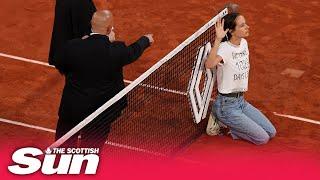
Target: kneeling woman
230 54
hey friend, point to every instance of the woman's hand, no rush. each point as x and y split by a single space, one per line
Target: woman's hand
220 32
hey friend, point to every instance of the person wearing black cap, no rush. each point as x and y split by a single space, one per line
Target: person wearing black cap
72 20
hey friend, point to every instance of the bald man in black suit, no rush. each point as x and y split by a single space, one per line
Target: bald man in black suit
93 70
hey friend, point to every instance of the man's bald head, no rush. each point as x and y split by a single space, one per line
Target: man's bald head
102 22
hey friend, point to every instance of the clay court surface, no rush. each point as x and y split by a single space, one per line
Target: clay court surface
285 71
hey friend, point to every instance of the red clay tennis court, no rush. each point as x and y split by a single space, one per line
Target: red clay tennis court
284 82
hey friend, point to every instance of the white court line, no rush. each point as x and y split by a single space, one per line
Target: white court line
172 91
139 149
26 125
46 64
297 118
107 142
25 59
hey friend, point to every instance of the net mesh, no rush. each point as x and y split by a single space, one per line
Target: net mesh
157 119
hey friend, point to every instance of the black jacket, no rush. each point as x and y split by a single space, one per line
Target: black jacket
93 71
72 20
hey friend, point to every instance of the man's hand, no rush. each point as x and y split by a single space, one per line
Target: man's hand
112 36
84 37
220 32
150 37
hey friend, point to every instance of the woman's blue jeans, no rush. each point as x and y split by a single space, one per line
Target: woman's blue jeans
243 120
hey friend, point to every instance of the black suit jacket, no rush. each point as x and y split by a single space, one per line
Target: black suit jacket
72 20
93 71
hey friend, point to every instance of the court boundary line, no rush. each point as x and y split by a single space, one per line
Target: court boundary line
171 91
127 147
139 149
297 118
32 61
25 59
132 148
17 123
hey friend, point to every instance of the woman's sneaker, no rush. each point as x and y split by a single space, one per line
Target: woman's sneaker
215 127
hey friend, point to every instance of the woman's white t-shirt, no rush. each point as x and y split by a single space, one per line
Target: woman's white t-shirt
233 73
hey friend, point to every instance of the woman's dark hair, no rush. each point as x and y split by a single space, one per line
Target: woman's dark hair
229 23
